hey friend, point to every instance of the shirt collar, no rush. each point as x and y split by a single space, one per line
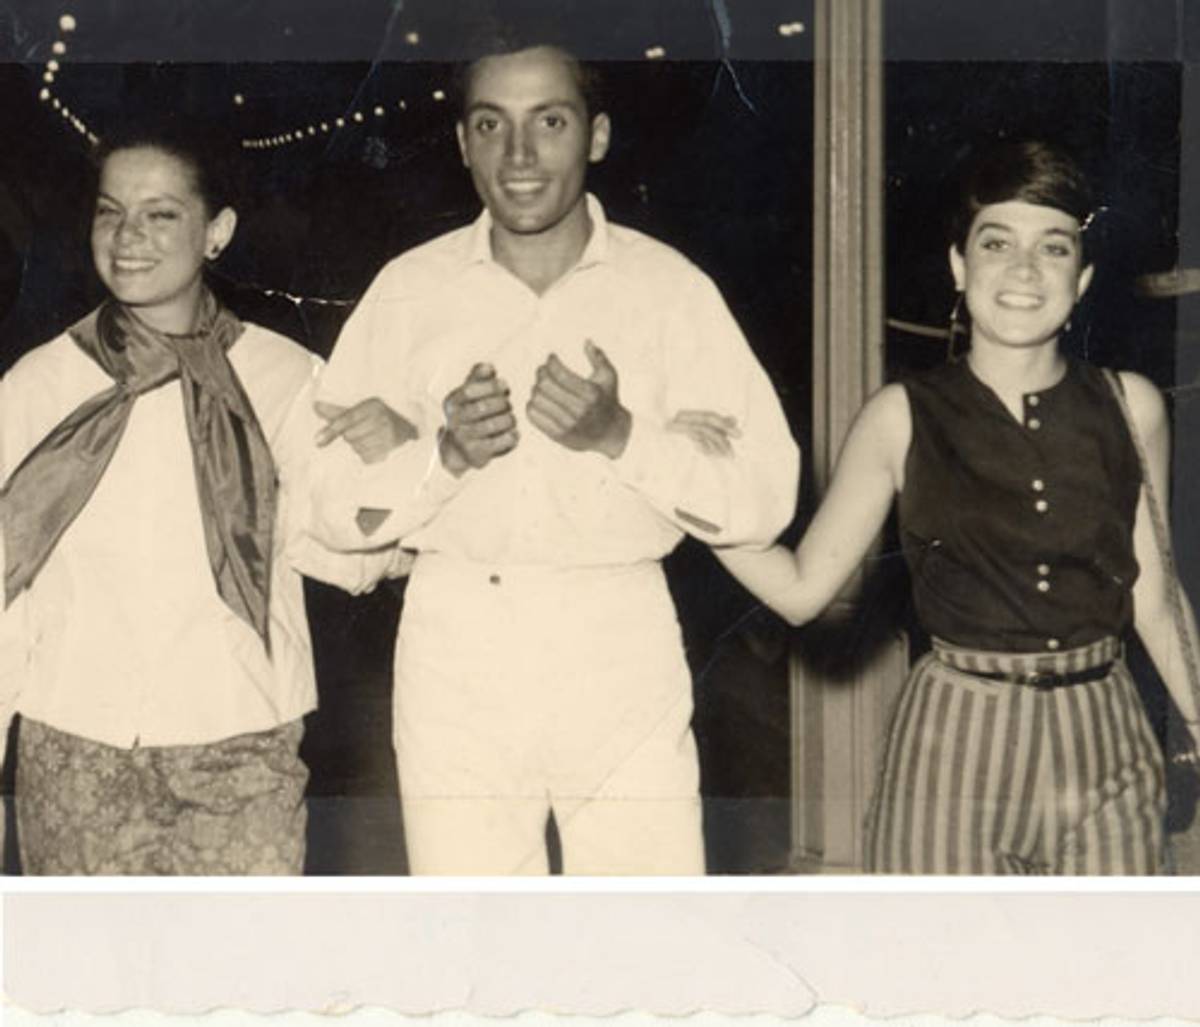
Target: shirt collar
478 249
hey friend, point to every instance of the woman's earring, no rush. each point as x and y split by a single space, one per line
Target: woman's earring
956 326
214 253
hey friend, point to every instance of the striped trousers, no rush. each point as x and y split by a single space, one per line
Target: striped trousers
992 777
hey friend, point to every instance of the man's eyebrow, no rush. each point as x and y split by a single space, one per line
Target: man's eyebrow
545 105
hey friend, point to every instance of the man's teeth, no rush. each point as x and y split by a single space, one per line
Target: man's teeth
1020 300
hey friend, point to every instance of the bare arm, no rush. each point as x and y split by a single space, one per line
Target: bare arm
1154 617
869 472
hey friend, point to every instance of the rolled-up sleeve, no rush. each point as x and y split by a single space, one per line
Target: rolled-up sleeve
296 452
744 499
407 488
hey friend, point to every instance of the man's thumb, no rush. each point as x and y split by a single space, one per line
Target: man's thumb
602 369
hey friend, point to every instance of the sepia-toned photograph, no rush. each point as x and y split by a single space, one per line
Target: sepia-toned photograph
599 437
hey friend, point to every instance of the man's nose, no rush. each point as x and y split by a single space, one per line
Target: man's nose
520 149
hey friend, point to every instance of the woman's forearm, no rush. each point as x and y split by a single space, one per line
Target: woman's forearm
773 575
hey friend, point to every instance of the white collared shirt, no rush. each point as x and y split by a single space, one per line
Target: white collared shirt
122 637
434 312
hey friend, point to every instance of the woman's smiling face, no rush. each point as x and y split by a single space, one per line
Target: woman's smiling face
1021 272
150 234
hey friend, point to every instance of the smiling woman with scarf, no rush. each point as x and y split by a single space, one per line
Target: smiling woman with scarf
155 641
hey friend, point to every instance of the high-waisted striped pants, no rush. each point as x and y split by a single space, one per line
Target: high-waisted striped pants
991 777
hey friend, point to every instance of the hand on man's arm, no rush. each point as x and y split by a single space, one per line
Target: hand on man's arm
712 451
371 427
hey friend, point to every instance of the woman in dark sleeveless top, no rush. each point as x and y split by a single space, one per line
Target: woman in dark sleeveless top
1019 744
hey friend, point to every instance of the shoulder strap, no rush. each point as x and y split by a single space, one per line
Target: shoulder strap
1161 534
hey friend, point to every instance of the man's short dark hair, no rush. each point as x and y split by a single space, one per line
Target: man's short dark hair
499 40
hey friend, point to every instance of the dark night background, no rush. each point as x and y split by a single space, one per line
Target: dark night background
712 154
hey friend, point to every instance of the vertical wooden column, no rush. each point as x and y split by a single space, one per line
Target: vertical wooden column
838 724
1186 450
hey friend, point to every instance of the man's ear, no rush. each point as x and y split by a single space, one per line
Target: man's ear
460 130
601 137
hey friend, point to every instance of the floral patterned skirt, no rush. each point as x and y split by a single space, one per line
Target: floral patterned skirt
230 807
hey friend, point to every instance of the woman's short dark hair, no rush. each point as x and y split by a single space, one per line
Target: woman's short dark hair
1027 170
208 153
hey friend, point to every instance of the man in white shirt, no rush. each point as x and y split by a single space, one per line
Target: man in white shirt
502 397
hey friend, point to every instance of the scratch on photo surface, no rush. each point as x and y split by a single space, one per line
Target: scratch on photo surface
24 44
724 24
388 29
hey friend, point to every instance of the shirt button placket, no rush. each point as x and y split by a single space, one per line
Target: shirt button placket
1032 422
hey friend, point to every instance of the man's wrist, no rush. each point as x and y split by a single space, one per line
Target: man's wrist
450 455
614 443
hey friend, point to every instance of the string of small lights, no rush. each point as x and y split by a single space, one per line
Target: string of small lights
392 108
66 25
314 129
324 126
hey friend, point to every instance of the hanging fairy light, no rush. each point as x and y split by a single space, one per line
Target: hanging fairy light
66 24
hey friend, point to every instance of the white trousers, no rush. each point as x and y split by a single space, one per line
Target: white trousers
524 690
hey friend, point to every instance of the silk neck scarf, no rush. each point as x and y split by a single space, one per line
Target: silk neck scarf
235 473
